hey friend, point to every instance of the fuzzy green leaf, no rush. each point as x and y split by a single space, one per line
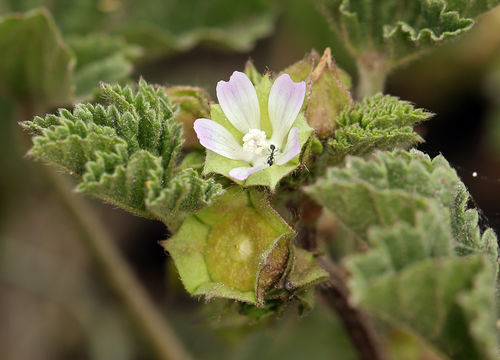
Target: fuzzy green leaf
390 188
126 153
447 302
36 67
399 29
411 212
380 122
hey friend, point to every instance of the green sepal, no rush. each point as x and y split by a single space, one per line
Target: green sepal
302 69
193 103
327 91
271 175
327 96
237 248
251 71
305 272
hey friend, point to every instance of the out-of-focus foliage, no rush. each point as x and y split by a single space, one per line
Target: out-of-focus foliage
397 30
162 27
412 214
125 152
41 71
101 58
36 70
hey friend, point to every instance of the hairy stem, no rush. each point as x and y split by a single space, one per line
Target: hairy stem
152 323
335 291
357 325
372 72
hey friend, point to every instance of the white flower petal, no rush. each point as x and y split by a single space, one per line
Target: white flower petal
238 99
285 100
292 148
242 173
217 138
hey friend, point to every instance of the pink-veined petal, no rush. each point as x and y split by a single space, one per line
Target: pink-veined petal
292 148
242 173
285 100
238 99
217 138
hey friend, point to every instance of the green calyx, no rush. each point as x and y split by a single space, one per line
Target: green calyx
327 93
271 175
237 248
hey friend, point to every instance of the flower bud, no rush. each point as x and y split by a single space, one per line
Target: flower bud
193 104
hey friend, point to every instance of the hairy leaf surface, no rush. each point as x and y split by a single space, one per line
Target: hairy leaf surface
390 188
380 122
399 29
126 152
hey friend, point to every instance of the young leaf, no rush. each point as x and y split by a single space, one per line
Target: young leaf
36 67
380 122
396 30
125 152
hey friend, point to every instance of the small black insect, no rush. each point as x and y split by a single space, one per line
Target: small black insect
270 159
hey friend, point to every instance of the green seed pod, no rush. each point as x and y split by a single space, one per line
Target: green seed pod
237 248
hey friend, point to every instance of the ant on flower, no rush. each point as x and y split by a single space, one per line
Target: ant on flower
270 159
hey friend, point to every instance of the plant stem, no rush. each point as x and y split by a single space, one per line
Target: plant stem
372 72
357 325
156 330
335 291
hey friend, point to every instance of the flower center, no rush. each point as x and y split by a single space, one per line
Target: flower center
254 141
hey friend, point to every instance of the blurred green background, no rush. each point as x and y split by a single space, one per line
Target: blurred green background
54 302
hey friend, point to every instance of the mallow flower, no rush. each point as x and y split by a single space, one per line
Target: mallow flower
255 130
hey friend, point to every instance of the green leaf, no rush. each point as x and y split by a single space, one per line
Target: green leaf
391 188
236 249
36 67
101 58
126 153
396 247
397 30
447 302
163 27
380 122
